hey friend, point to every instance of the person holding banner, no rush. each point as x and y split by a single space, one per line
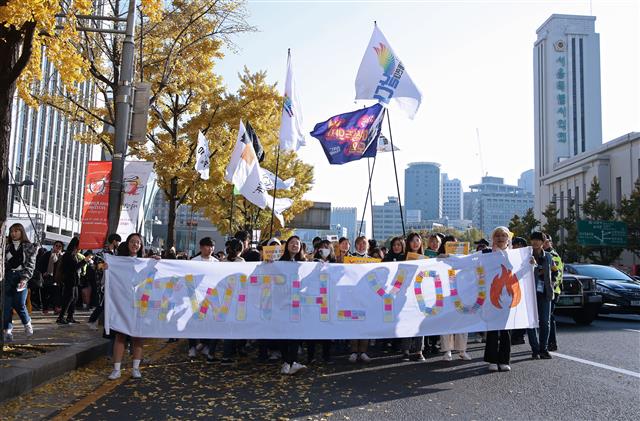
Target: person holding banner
458 341
132 247
343 249
206 255
324 254
434 242
20 263
396 254
497 351
414 245
292 253
359 347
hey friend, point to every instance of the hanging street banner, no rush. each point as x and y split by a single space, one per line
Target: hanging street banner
95 205
135 178
202 157
304 300
602 233
350 136
382 77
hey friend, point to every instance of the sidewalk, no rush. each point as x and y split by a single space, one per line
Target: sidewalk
52 351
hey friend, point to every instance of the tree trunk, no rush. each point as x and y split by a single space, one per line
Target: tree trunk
173 207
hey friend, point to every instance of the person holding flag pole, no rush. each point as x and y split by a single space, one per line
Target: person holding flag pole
383 77
291 133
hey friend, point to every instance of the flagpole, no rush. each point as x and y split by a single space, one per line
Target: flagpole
233 202
395 170
275 188
371 195
364 209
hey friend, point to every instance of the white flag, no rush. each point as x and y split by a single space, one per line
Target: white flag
269 181
202 157
246 175
382 77
384 145
291 133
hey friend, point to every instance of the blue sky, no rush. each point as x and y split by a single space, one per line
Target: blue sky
472 60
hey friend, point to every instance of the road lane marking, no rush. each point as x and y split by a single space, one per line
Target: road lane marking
632 330
592 363
107 387
376 368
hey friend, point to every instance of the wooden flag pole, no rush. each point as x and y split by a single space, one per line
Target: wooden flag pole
364 209
233 202
395 170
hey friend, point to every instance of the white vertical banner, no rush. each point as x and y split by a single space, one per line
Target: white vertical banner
202 157
134 185
291 132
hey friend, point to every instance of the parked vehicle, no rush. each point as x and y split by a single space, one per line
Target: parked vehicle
620 293
579 298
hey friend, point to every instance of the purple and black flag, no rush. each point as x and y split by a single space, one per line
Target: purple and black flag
350 136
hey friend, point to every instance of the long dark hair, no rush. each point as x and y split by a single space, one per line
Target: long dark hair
73 245
410 238
123 248
234 249
331 258
299 257
445 240
23 233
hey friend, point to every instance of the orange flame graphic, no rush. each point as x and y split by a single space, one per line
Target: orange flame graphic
508 280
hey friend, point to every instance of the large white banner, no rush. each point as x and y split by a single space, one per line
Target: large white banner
289 300
134 185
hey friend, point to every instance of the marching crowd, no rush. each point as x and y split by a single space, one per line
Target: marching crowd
60 281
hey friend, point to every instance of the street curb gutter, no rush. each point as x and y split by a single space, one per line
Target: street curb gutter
22 376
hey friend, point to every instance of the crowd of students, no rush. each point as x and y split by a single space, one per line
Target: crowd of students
21 264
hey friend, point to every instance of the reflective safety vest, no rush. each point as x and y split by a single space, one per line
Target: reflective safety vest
557 269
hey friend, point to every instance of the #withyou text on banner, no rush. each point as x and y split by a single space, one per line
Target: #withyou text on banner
291 300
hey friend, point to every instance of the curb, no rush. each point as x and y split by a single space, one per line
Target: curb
22 376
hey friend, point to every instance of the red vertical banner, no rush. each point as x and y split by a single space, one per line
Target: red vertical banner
95 206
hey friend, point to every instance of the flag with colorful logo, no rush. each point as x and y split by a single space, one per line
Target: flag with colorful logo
291 133
350 136
383 77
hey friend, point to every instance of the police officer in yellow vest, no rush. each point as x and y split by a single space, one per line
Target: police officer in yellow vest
556 270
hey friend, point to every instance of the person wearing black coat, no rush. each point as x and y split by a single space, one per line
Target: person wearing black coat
72 265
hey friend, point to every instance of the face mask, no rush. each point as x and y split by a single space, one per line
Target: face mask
325 253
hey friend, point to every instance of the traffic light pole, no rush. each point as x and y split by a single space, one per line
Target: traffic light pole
123 118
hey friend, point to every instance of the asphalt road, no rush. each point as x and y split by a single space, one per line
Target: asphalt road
594 375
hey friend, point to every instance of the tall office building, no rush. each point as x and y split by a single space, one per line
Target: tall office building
386 220
451 198
345 218
495 203
567 105
43 150
527 180
423 189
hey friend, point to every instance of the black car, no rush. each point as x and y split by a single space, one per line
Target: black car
579 298
620 293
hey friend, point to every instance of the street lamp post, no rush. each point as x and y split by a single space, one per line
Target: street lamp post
14 187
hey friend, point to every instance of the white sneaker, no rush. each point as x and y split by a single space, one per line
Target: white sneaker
8 336
205 350
353 358
464 356
286 368
135 373
192 352
115 374
364 357
493 367
295 367
93 325
505 367
28 329
447 356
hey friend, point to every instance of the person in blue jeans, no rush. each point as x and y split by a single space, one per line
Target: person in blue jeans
20 262
544 283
